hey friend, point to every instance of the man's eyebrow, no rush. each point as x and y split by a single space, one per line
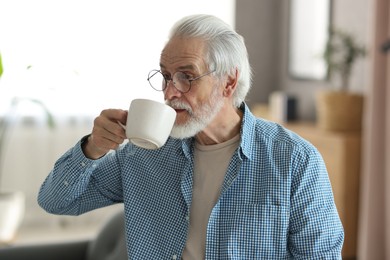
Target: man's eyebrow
185 67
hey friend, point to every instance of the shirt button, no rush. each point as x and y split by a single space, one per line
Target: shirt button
83 164
187 218
174 257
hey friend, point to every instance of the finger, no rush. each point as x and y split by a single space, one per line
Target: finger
115 130
115 115
111 120
108 138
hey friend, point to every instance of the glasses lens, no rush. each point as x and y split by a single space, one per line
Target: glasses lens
181 81
156 80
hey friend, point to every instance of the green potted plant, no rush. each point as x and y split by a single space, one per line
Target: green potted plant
12 202
340 109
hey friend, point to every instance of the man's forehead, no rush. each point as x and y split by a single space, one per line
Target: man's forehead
186 52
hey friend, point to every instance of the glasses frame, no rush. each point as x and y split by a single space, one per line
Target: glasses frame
154 72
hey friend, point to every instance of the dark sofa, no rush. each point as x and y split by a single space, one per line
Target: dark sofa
109 244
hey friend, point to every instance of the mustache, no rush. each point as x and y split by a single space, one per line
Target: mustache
176 104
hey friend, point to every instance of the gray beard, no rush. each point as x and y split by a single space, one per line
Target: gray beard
199 120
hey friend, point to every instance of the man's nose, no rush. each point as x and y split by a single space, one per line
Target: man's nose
171 92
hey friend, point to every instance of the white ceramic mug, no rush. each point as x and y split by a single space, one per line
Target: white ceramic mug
149 123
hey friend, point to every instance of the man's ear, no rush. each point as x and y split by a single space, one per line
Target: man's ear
231 84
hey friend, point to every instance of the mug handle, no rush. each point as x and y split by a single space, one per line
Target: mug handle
122 125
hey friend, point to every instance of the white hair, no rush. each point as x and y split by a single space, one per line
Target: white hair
226 50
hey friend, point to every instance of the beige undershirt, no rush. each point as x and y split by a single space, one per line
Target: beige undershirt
211 163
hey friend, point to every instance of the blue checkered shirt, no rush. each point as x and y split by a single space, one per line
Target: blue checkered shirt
276 200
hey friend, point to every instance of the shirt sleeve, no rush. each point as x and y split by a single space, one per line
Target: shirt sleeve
315 231
77 184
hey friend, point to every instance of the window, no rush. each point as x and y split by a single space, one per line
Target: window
309 29
81 56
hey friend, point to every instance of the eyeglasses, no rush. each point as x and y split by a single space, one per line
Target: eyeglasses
181 81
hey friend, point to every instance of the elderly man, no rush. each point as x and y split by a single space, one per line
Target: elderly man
226 185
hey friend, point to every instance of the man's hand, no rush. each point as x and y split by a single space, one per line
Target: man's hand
107 133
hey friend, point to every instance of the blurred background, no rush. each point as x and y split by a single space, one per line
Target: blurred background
70 59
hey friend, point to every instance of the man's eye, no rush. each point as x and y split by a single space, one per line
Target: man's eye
184 76
189 76
166 76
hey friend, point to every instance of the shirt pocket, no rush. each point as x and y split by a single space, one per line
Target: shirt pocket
259 231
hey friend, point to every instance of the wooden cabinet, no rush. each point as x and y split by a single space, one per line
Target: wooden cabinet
341 153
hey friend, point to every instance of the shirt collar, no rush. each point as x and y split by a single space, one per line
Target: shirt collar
247 135
247 132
